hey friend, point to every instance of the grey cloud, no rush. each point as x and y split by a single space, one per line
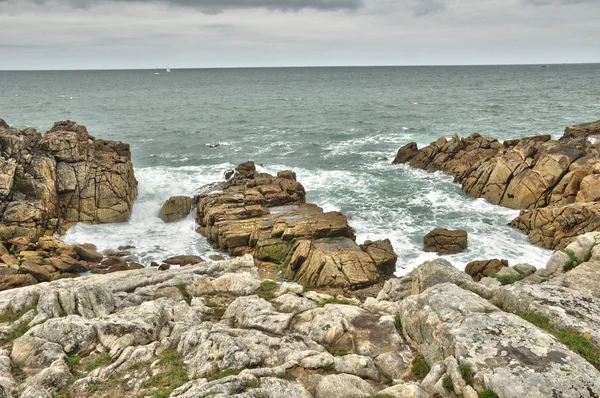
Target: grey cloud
558 2
425 7
216 6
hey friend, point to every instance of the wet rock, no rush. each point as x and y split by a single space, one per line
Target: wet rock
482 268
176 208
14 281
406 153
184 260
88 253
444 241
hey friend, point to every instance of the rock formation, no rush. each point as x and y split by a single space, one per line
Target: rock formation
48 183
444 241
554 182
176 208
215 329
267 216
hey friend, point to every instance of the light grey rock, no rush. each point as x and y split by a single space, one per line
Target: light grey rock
437 271
451 365
343 386
584 278
525 269
565 308
512 357
581 248
256 313
507 271
208 348
7 383
289 288
357 365
318 361
395 364
32 354
490 282
469 392
72 333
435 374
292 304
241 284
406 390
382 307
396 289
239 387
48 381
327 324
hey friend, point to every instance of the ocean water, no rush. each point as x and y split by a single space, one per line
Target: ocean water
338 128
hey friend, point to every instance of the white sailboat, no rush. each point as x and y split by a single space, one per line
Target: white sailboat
168 69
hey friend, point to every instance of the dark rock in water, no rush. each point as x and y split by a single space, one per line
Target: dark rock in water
164 267
135 265
444 241
216 257
482 268
406 153
184 260
215 145
383 255
126 247
176 208
3 124
154 264
228 174
49 183
113 261
268 217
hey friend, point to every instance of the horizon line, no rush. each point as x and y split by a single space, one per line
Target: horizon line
298 67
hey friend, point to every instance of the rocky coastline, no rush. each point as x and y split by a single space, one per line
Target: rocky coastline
331 321
555 183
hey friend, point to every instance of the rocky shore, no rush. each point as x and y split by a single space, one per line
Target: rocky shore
556 183
333 322
215 329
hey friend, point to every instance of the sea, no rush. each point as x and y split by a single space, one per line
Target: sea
338 128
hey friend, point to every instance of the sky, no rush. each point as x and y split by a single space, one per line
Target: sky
124 34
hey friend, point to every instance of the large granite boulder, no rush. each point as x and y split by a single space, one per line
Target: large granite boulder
444 241
482 268
176 208
48 183
268 217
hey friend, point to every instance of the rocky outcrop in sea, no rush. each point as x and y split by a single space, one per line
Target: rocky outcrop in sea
554 182
50 182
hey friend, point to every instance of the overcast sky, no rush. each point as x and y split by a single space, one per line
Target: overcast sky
99 34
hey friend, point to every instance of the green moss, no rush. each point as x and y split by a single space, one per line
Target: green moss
252 384
103 359
91 388
328 368
280 253
398 323
211 304
467 373
117 382
223 373
186 296
487 394
135 366
73 360
266 289
9 317
172 376
420 368
385 396
573 262
334 300
285 376
448 384
338 352
575 341
508 279
15 333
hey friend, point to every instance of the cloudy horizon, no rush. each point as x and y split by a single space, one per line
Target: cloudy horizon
137 34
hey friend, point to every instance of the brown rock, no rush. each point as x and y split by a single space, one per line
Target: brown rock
184 260
3 250
176 208
406 153
135 265
87 253
64 177
9 260
18 280
40 273
67 264
6 270
383 255
112 261
118 268
444 241
164 267
482 268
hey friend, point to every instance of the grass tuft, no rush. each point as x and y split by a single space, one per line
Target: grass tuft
467 373
186 296
171 377
338 352
573 262
487 394
398 323
266 289
224 373
420 368
103 359
448 384
334 300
